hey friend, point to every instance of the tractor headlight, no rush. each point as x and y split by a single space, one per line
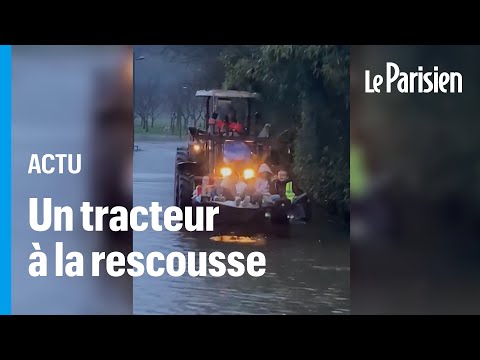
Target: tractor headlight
197 148
226 171
248 174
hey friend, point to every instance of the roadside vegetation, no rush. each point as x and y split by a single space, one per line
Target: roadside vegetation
305 89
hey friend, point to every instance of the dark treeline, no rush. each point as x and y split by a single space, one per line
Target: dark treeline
305 89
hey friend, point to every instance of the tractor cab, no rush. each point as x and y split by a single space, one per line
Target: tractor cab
229 106
229 140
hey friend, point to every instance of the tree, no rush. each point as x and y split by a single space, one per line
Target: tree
192 110
147 102
183 70
306 88
180 98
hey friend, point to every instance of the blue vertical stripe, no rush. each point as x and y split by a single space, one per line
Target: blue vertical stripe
5 179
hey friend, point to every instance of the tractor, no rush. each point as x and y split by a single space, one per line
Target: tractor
231 142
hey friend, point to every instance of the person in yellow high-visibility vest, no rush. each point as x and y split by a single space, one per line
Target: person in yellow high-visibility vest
289 193
283 188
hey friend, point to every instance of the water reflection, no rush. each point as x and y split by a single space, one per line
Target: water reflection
258 240
307 266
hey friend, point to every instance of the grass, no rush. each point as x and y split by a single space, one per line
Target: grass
159 132
159 129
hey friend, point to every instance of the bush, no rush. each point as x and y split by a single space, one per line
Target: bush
309 85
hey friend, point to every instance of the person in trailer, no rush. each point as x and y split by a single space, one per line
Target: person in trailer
284 189
203 192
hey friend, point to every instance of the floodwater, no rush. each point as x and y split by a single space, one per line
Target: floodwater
307 266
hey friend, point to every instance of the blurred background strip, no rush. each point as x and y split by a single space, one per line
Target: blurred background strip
5 182
415 186
70 100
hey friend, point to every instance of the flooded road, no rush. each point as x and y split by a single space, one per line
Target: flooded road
307 271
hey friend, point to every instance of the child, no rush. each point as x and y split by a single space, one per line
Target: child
218 191
284 189
262 185
240 188
202 192
228 185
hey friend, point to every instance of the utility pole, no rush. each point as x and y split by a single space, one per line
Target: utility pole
135 58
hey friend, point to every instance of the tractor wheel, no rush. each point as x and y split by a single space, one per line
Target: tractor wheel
185 189
182 155
184 181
